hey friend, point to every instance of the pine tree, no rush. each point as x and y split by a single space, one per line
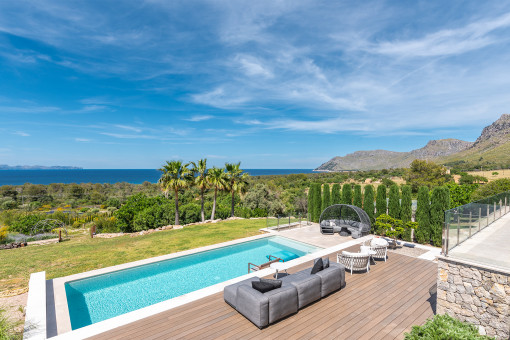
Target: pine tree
368 202
394 202
380 201
347 193
423 215
326 197
317 202
439 203
358 199
336 196
406 206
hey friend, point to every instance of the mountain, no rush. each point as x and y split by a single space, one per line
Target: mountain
37 167
491 148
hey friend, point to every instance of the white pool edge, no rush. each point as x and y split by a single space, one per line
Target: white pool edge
35 317
64 323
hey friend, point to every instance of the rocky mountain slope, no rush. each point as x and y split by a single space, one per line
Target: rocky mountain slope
491 147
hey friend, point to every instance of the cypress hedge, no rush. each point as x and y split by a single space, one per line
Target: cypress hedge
368 202
380 201
326 197
394 202
317 202
439 203
347 193
336 196
423 215
358 199
406 205
311 195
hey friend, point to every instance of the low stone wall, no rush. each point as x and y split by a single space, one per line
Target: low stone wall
475 294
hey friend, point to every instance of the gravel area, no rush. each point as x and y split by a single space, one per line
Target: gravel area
414 252
15 308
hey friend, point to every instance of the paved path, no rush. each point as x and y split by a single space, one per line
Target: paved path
490 246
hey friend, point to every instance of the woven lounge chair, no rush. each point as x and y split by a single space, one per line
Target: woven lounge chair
380 246
354 261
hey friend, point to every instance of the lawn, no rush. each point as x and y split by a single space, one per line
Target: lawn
81 253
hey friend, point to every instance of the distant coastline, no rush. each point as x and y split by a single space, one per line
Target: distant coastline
38 167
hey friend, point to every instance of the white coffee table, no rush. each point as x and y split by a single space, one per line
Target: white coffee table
278 267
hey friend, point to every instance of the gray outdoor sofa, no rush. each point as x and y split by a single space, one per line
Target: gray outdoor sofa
345 228
346 220
297 291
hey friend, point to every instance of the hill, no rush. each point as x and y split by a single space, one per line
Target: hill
491 149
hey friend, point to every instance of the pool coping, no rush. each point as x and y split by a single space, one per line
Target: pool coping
63 321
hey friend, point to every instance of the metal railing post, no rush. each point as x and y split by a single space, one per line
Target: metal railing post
278 225
470 218
488 212
289 221
479 218
500 206
458 229
494 217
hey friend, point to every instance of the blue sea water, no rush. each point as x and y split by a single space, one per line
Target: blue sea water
134 176
105 296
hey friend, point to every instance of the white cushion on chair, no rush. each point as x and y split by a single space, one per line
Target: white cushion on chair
379 242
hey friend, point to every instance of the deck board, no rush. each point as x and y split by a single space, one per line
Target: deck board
382 304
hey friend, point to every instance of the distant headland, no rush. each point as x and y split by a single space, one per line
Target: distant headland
37 167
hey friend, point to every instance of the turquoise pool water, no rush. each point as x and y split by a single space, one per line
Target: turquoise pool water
104 296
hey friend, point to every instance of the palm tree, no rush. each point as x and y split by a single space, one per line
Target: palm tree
175 177
237 181
217 179
200 180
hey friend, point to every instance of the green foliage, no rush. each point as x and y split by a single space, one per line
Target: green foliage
106 224
423 215
237 182
358 198
3 233
336 196
491 189
326 197
406 205
495 173
7 327
263 198
135 204
113 202
317 201
408 227
460 194
368 202
310 201
380 201
394 202
466 178
426 173
347 193
154 216
388 182
439 202
444 327
386 225
25 222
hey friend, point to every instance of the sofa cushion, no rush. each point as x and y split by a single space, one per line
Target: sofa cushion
325 262
308 287
274 283
263 287
318 266
230 291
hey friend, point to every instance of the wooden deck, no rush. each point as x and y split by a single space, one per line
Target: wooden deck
380 305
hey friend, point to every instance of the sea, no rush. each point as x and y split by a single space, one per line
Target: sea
134 176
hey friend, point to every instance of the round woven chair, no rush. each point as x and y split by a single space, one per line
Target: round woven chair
354 261
346 220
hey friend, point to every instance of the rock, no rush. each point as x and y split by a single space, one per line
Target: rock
498 290
468 287
481 330
443 275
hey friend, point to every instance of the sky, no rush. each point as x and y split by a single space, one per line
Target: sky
272 84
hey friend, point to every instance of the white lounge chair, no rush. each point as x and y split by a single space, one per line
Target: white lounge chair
380 246
354 261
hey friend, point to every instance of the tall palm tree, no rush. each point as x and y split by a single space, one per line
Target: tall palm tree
175 177
237 181
200 180
217 180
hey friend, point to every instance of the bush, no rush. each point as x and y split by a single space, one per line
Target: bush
368 203
155 216
380 201
394 202
386 225
460 194
439 203
336 196
326 197
408 227
3 233
134 205
347 193
190 213
423 215
358 199
106 224
491 189
113 202
444 327
7 328
406 206
25 222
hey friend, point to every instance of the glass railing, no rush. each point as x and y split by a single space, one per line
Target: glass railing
463 222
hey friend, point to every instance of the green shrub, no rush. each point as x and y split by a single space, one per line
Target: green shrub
336 196
439 202
394 202
408 227
106 224
190 213
461 194
347 193
358 199
423 215
317 201
135 204
113 202
326 197
444 327
25 222
7 327
406 206
380 201
491 189
154 216
368 203
385 225
3 233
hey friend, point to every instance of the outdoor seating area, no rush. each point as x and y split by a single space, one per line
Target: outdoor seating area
346 220
265 301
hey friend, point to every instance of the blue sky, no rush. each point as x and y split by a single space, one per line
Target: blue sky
273 84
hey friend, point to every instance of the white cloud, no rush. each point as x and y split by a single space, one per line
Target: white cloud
82 140
21 133
253 67
199 118
127 127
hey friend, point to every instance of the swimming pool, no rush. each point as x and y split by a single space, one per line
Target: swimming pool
101 297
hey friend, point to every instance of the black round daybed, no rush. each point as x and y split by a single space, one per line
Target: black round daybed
345 219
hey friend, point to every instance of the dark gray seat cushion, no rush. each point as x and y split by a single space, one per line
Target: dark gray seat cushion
230 291
332 278
308 287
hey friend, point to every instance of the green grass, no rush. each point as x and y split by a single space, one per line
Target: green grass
81 253
7 328
444 327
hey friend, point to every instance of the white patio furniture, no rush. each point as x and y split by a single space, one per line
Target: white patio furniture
278 267
354 261
380 246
